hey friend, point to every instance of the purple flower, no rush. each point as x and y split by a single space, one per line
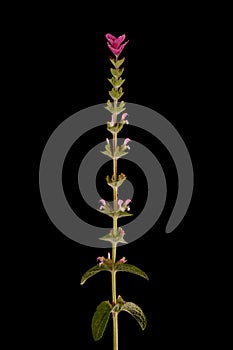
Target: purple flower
123 260
112 121
120 202
125 143
116 44
109 256
102 201
122 232
123 120
127 201
107 140
101 260
124 205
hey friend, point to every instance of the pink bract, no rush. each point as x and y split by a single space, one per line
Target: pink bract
116 45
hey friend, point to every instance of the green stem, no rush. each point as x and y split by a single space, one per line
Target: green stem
115 331
114 220
114 247
114 314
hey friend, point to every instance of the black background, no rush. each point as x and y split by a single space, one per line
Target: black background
167 69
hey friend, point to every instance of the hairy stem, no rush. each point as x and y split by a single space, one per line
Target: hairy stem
115 331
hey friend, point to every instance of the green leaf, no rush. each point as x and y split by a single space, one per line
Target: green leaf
132 269
100 319
93 271
136 312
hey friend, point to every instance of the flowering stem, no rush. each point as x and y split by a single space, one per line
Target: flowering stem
114 285
117 209
115 160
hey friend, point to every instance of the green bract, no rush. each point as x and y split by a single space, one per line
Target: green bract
113 183
117 109
116 214
116 94
116 128
117 72
120 151
117 63
108 151
116 83
110 237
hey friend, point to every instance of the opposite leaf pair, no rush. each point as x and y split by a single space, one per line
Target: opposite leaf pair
103 311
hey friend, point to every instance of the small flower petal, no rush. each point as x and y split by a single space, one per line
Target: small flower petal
100 259
102 201
120 202
126 141
127 201
124 115
112 121
122 232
